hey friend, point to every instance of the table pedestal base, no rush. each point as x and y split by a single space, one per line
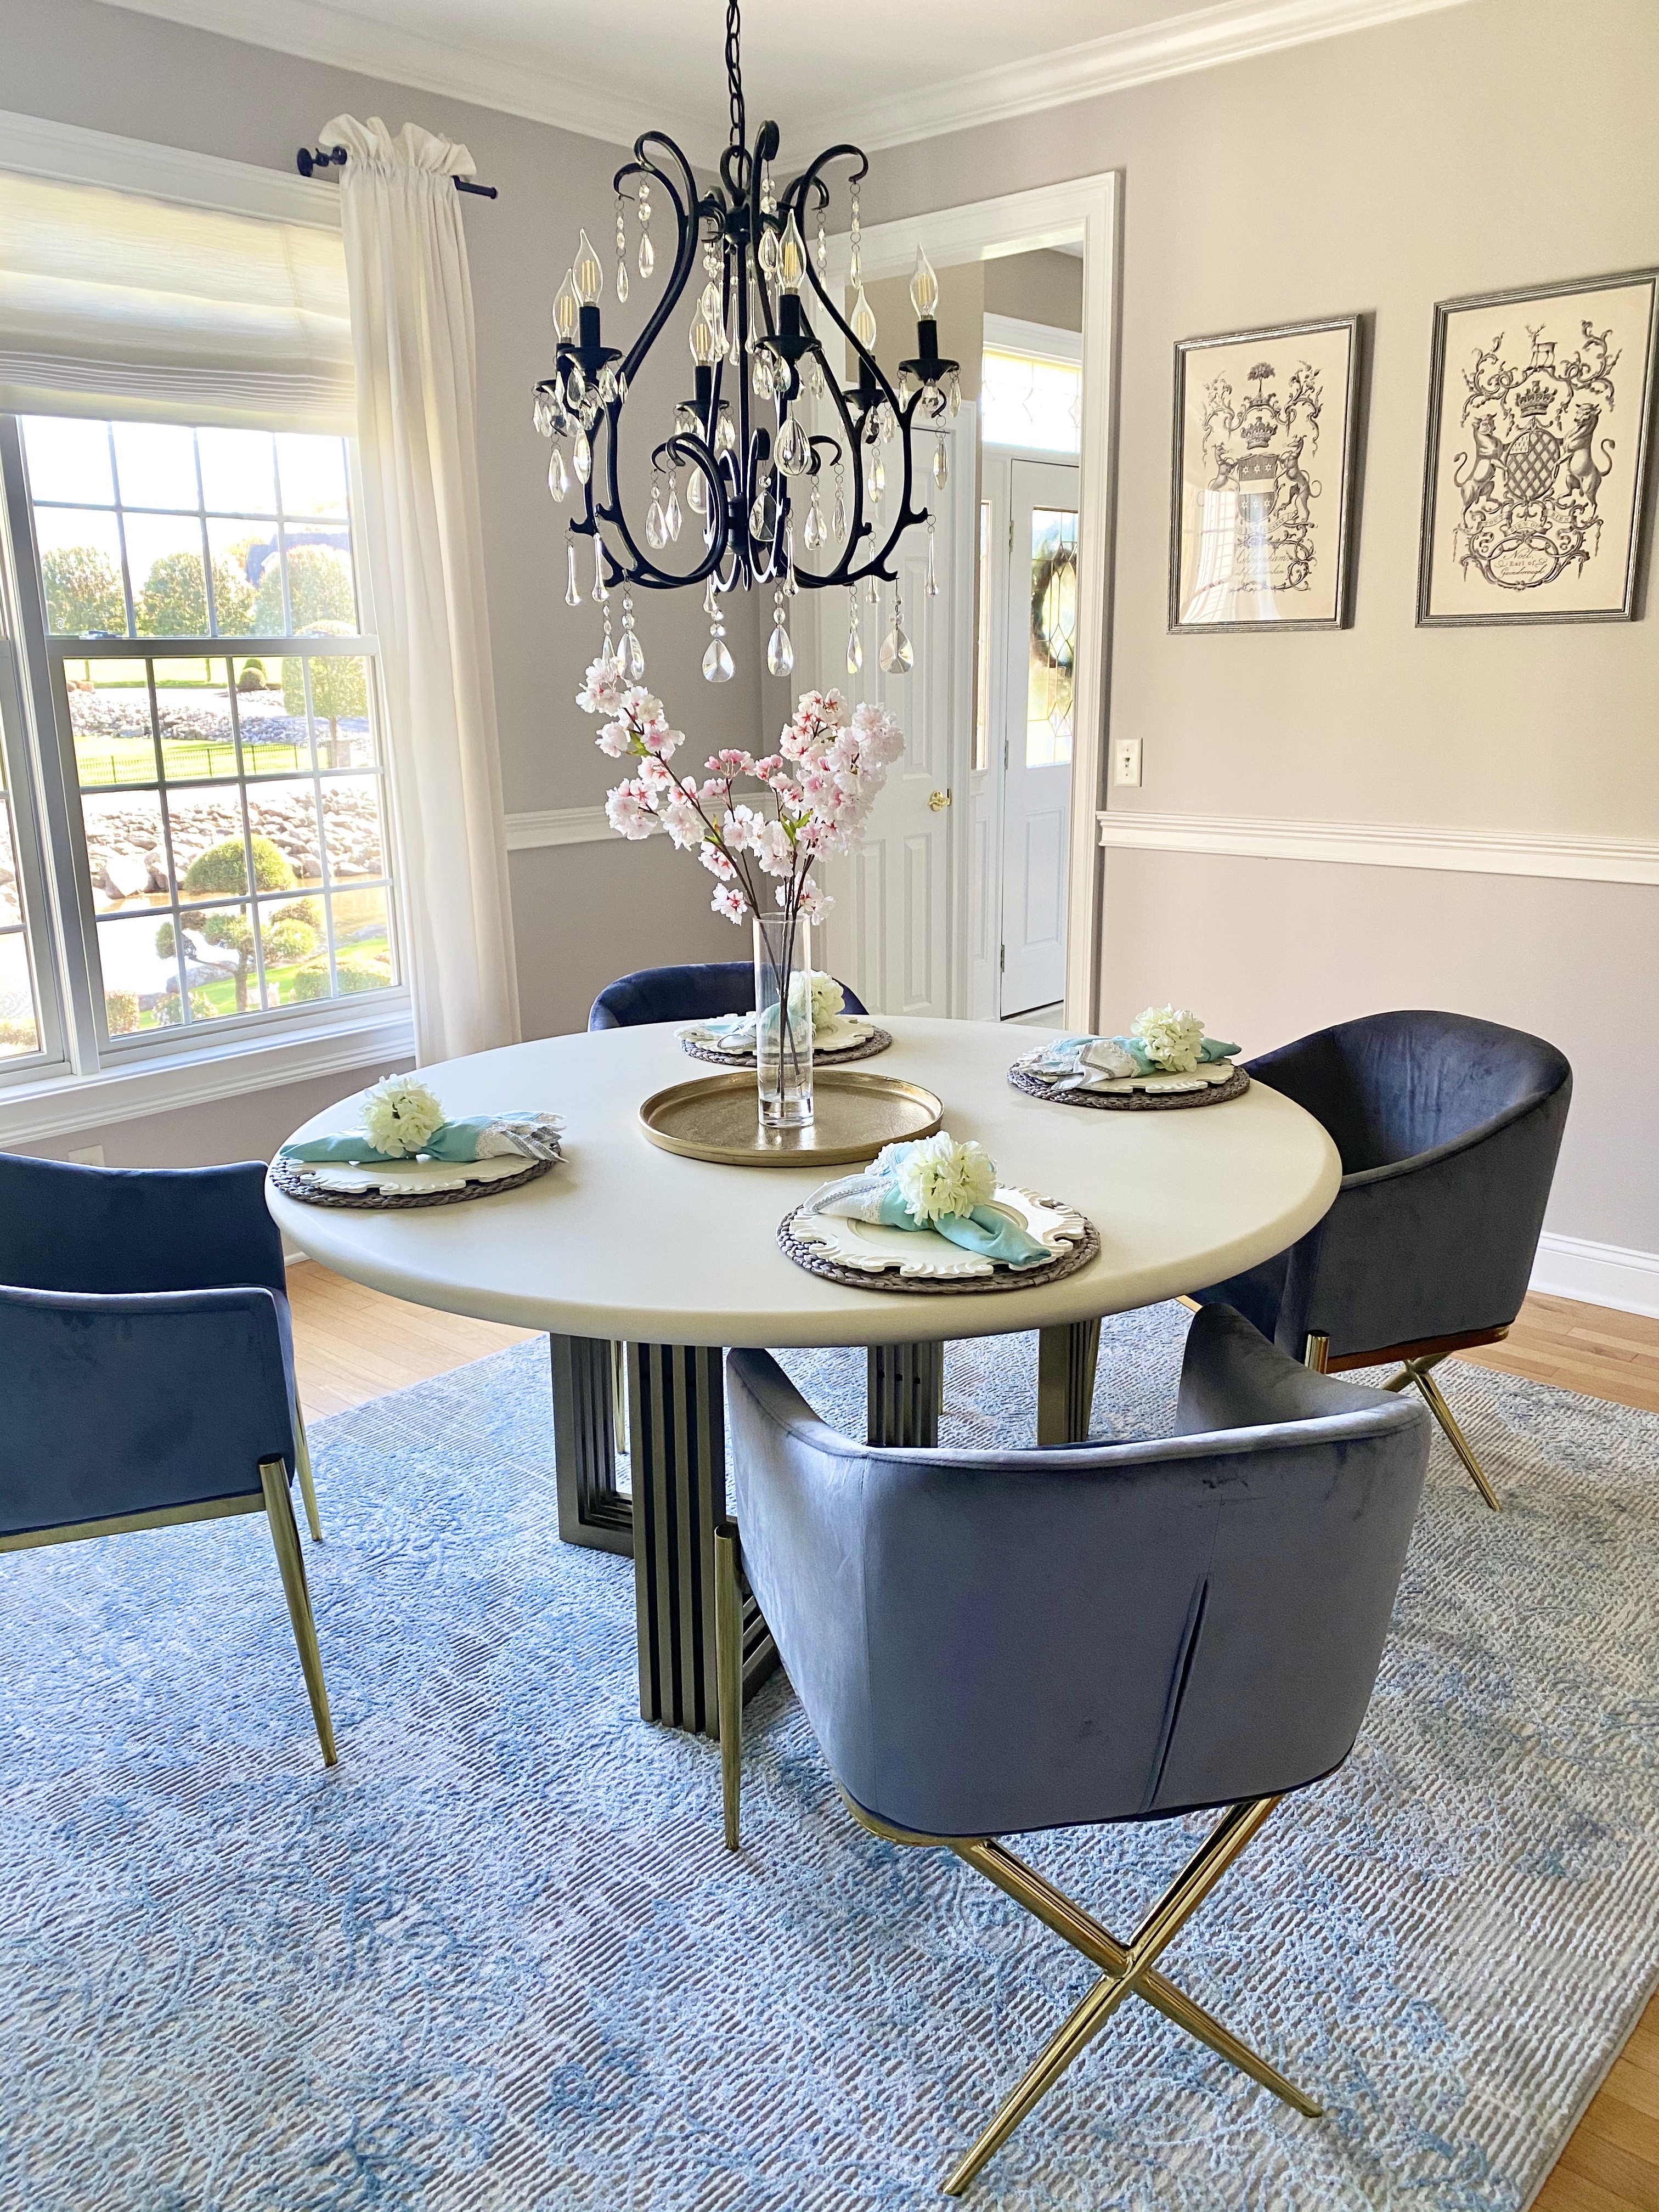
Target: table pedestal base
677 1433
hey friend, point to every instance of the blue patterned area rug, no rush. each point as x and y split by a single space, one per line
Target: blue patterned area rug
498 1961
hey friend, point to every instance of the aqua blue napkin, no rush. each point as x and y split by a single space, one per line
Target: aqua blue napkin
874 1195
479 1137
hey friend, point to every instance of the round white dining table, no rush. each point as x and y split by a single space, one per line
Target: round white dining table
678 1259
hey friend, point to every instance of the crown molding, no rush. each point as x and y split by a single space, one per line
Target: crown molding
516 84
511 84
1236 30
1388 845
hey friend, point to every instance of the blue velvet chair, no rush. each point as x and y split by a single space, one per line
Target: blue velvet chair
692 993
988 1642
1448 1130
147 1365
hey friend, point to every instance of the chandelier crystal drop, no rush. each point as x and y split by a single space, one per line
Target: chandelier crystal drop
766 416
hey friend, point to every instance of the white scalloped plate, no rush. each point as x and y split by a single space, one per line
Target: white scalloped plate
872 1247
409 1178
1199 1078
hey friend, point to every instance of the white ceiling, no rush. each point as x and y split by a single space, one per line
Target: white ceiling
610 72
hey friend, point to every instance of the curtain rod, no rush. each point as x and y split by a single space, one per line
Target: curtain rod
306 161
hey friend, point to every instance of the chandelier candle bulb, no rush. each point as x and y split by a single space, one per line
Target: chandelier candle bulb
567 310
586 274
864 319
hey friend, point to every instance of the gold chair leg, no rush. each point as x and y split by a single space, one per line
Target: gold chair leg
1156 1932
285 1535
728 1673
1068 1920
302 1465
1316 1352
1417 1371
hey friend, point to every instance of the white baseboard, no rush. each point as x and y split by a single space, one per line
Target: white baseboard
1600 1274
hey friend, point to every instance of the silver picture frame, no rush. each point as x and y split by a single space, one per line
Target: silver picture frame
1329 534
1528 534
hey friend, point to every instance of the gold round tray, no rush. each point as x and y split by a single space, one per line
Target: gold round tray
715 1117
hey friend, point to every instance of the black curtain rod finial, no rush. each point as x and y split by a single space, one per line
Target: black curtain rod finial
307 160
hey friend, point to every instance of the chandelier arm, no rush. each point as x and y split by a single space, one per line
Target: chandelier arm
644 570
687 211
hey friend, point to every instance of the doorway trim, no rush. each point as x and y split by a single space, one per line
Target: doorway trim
989 230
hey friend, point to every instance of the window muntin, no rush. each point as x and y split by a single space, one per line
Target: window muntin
1029 401
230 808
156 530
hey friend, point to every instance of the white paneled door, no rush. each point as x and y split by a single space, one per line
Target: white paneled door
1037 664
890 934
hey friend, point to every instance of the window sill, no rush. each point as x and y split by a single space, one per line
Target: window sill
59 1104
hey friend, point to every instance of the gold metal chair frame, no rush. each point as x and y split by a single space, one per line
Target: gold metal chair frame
273 1500
1127 1969
1421 1359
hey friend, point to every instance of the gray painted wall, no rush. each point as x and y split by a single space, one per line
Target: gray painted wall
1381 171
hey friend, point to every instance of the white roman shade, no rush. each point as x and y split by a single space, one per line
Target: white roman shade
114 302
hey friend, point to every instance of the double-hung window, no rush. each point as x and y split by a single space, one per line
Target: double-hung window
212 702
196 827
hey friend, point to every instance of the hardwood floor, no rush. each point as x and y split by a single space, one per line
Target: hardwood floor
352 1344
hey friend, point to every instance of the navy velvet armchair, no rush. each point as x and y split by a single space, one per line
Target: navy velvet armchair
146 1365
1448 1129
990 1642
692 993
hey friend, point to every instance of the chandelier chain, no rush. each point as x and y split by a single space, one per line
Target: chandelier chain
734 71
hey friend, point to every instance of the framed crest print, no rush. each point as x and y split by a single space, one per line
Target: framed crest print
1539 407
1265 430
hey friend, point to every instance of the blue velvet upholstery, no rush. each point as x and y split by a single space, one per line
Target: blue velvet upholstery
689 994
986 1643
1448 1129
146 1351
118 1405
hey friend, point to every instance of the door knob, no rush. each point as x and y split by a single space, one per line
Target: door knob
938 801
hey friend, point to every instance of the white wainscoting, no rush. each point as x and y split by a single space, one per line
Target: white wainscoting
1566 1266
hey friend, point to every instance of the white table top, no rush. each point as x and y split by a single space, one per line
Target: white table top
622 1240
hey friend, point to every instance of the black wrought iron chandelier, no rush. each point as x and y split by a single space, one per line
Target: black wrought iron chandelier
758 495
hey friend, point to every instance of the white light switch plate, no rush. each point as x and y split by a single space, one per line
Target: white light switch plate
1125 760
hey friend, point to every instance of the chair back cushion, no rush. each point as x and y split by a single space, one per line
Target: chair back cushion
117 1406
1390 1087
64 1227
986 1643
1448 1130
693 993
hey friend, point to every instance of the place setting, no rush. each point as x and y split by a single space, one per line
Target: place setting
407 1153
1165 1062
933 1216
838 1034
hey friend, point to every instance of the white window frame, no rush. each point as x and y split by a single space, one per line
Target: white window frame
82 1077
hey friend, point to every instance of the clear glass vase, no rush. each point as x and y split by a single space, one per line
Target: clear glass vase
783 1032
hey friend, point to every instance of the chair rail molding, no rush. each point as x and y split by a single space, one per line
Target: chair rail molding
562 825
1387 845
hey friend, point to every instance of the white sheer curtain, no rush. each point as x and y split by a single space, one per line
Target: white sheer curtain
412 339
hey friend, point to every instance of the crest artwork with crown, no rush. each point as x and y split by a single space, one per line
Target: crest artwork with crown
1265 427
1539 410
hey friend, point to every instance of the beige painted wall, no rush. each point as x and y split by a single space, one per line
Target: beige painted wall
1381 172
577 910
1036 287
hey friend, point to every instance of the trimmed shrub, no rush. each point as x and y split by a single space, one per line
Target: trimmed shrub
121 1012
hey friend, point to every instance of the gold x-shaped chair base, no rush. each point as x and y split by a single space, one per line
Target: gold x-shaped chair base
1418 1369
1128 1969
